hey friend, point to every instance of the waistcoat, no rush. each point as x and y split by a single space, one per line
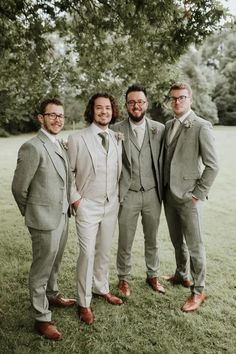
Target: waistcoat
143 176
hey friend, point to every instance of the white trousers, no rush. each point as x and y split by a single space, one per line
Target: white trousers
95 224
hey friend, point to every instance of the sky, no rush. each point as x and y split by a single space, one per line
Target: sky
231 4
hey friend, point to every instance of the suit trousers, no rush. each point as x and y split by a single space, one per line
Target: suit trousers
47 248
95 224
147 204
184 221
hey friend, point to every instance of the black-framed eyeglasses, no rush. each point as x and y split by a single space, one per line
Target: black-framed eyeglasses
54 116
173 99
133 103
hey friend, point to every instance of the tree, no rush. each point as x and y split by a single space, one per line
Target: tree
108 44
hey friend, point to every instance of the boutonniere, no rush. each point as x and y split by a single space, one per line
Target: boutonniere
188 123
154 130
64 144
119 136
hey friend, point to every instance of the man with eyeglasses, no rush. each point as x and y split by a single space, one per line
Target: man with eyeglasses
41 187
190 167
140 188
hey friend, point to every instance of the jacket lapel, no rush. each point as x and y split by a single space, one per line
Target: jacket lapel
126 143
51 150
113 137
89 141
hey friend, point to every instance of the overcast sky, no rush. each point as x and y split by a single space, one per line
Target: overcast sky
231 4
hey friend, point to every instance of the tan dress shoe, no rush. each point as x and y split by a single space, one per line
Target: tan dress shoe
86 315
123 287
193 302
48 330
176 281
155 285
112 299
60 301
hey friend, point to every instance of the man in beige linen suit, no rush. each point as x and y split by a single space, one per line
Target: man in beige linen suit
140 187
95 156
190 167
41 187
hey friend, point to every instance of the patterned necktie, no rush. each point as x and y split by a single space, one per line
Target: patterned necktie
139 135
174 129
105 140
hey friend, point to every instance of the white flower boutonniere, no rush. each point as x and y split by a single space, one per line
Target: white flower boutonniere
119 137
154 130
64 144
188 123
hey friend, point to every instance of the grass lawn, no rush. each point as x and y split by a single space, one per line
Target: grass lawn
147 322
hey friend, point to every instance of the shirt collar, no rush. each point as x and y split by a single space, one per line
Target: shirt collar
141 126
50 136
96 130
182 118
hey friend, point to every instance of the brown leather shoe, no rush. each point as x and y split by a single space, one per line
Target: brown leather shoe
86 315
176 281
123 287
48 330
155 285
193 302
60 301
112 299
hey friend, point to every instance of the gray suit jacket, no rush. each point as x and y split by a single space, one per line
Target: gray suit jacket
194 164
83 158
38 183
156 133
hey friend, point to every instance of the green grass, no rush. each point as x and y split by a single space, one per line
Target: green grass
147 322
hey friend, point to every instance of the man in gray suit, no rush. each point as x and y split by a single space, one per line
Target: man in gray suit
95 156
190 167
41 187
140 187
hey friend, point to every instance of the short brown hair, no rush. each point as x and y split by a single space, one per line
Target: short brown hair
45 103
181 86
89 111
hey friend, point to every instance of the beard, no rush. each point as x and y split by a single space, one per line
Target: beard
136 119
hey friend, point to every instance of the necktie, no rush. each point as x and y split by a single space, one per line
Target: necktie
58 145
139 135
174 129
105 140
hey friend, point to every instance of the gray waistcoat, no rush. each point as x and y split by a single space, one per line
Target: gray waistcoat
142 167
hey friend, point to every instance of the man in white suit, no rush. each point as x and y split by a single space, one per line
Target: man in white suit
95 156
190 167
41 187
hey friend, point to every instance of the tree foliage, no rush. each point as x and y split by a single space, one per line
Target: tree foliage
211 71
72 48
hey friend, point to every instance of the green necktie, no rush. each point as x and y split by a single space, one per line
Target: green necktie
105 140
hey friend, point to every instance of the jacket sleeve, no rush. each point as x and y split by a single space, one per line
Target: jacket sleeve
209 160
27 163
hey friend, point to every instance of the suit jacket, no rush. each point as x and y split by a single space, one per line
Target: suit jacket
38 182
156 133
82 150
194 164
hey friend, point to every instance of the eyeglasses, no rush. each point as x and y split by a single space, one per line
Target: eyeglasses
54 116
181 99
133 103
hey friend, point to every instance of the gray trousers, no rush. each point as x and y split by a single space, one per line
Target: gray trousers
185 227
135 203
47 249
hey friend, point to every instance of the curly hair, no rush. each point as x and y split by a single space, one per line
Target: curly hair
89 111
45 103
